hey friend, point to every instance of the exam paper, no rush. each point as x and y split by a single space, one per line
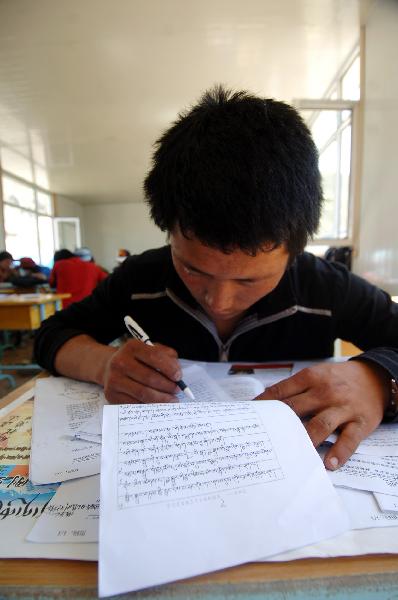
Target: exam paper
377 540
71 515
364 511
62 406
21 502
203 387
239 387
191 488
383 441
371 473
386 502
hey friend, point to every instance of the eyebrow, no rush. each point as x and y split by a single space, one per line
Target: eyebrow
192 268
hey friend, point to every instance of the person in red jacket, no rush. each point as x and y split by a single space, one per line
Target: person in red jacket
72 275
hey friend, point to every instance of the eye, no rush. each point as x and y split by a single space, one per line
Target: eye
247 282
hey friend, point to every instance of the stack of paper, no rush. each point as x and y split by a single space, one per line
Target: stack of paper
215 482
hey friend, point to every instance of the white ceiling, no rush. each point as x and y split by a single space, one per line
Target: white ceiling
86 86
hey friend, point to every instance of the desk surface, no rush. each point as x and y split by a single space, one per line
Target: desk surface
356 578
31 299
27 311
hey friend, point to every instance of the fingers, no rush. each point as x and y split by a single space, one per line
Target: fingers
160 358
296 392
137 394
323 424
292 386
142 373
348 441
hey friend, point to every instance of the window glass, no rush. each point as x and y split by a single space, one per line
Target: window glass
46 239
19 194
44 203
324 126
21 232
328 167
345 170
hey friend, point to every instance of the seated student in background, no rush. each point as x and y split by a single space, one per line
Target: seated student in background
28 274
235 184
6 267
122 254
84 254
72 275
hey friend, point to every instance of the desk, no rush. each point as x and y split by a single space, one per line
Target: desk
354 578
21 312
27 311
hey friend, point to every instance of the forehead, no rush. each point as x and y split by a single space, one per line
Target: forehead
235 264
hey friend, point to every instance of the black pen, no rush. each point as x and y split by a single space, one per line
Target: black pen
139 334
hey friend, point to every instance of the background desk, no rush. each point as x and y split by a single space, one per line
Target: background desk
351 578
27 311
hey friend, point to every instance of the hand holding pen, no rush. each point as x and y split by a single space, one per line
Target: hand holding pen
138 333
140 372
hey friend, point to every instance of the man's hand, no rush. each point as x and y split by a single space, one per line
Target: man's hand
139 373
350 397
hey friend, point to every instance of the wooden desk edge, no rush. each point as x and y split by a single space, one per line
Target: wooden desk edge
82 574
22 389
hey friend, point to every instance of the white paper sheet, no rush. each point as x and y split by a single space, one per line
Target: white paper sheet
380 540
21 504
383 441
371 473
72 515
203 387
241 388
364 511
386 502
212 484
62 406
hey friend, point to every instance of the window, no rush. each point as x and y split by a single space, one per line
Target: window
332 120
27 220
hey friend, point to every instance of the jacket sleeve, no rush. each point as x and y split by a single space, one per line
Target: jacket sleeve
367 317
100 316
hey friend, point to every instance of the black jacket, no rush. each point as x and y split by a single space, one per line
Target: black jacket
314 303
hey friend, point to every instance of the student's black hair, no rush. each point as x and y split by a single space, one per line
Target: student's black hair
63 254
237 172
5 255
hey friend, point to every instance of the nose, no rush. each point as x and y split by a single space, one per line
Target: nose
219 297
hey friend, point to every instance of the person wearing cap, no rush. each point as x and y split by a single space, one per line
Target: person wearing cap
85 255
76 274
122 254
28 268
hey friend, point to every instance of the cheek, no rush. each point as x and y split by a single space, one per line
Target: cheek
250 295
194 285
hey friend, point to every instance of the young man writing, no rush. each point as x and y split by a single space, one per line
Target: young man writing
236 185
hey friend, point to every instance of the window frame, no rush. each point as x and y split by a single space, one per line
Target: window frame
340 105
36 190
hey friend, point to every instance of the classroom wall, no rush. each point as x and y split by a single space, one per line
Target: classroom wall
109 227
377 258
66 207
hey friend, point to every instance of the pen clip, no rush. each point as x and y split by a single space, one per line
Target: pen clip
135 330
